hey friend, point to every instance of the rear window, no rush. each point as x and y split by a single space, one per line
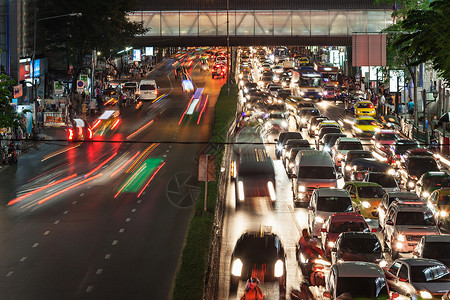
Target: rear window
334 204
358 245
436 250
385 180
338 227
306 172
350 146
425 218
435 273
148 87
365 105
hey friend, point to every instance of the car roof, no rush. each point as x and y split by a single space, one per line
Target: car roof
349 139
365 118
420 261
316 158
362 183
437 238
353 216
358 151
410 206
358 269
331 192
400 194
435 173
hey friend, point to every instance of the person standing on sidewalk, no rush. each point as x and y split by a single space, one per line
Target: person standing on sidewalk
84 109
92 107
410 107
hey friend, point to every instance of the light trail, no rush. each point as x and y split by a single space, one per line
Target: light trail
184 113
159 98
151 178
129 180
203 109
60 152
125 164
140 129
40 189
100 165
141 158
68 188
47 172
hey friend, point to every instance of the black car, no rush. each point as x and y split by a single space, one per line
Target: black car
314 123
358 246
349 156
79 130
359 167
435 247
258 254
414 167
329 139
305 114
293 143
282 139
323 131
400 147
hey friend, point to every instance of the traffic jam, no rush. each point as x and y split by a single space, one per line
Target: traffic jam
370 205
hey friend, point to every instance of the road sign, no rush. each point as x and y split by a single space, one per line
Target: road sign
207 162
84 77
58 88
80 86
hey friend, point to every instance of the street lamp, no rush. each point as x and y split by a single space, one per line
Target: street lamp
33 58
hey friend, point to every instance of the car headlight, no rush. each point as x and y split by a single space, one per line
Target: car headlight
241 191
320 93
273 195
279 147
313 127
399 245
401 238
240 76
358 130
411 184
291 165
425 194
425 295
301 188
365 204
382 263
279 268
284 124
326 148
236 269
348 168
302 93
340 156
443 213
303 120
283 84
331 244
377 129
391 172
319 219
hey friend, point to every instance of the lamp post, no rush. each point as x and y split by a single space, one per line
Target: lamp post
33 58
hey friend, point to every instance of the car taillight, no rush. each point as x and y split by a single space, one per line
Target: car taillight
90 133
371 106
156 92
70 134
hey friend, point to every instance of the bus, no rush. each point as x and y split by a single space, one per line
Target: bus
307 83
280 54
330 74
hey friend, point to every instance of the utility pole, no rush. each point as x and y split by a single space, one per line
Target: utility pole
228 48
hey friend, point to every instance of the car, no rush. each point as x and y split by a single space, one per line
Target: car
258 254
365 108
292 154
278 69
303 61
356 280
249 86
418 278
312 169
338 223
390 197
399 148
365 127
434 247
366 196
414 167
342 146
221 59
148 90
314 123
359 167
323 131
219 70
294 103
439 203
414 152
348 157
329 140
382 141
358 246
79 130
324 203
283 137
386 180
329 92
327 123
299 143
276 121
431 181
405 224
305 114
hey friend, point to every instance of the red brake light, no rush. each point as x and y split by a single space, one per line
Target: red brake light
371 106
90 133
70 134
401 279
156 92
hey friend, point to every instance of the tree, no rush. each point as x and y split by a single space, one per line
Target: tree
103 26
8 115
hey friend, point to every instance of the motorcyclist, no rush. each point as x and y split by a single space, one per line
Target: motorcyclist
309 250
252 291
12 154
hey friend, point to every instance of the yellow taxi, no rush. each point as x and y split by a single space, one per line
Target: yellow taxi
303 61
439 203
365 108
328 123
365 127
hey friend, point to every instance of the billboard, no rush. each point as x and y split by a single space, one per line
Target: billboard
369 50
136 54
396 76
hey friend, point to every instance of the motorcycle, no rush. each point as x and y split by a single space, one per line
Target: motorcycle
12 155
313 268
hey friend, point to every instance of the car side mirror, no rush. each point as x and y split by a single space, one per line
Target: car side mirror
353 195
390 222
327 294
311 208
323 230
292 176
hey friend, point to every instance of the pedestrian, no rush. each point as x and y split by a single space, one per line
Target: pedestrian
84 109
400 108
410 107
92 107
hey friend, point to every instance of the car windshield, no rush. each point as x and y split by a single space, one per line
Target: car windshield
405 146
310 112
366 122
435 273
387 136
277 116
350 146
358 245
352 156
363 287
365 105
306 172
436 250
385 180
436 182
421 165
337 227
415 218
334 204
370 192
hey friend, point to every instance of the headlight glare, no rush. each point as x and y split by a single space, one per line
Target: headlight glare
425 295
365 204
279 268
236 269
319 219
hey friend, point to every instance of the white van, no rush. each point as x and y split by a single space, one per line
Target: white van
148 90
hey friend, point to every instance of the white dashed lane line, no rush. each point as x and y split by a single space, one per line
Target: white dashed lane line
128 220
121 230
99 271
23 259
89 289
66 212
56 222
107 256
74 202
47 232
133 210
115 242
9 274
35 245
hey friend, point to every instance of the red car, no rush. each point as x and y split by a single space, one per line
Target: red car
219 70
338 223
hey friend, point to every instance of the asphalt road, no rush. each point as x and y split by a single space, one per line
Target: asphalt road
107 219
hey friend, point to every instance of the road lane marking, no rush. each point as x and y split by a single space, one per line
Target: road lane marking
66 212
35 245
74 202
128 220
60 152
133 210
121 230
9 274
167 150
89 289
56 222
47 232
139 201
115 242
23 259
82 194
107 256
99 271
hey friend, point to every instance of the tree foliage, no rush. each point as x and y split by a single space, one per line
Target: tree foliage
8 115
425 37
103 26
